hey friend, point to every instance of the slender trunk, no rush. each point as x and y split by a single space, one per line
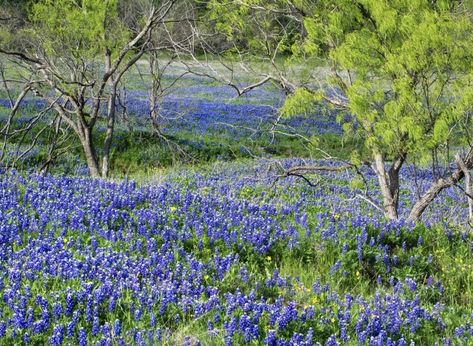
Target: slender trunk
45 168
394 186
389 191
469 192
440 184
89 151
154 94
468 187
153 113
111 111
111 107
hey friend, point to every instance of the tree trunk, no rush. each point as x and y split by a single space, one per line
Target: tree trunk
468 187
45 168
156 91
389 187
111 110
110 116
440 184
89 151
393 174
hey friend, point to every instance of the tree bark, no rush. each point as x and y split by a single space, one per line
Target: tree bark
389 186
109 134
89 151
156 91
440 184
111 110
468 187
393 174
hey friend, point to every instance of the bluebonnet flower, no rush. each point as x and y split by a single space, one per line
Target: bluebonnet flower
57 335
271 339
57 311
332 341
82 339
3 328
137 314
335 267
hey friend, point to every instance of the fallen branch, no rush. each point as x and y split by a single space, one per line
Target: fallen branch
300 171
314 169
370 201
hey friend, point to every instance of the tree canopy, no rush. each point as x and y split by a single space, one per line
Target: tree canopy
404 67
401 69
82 29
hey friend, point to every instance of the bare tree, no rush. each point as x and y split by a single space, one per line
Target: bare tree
78 85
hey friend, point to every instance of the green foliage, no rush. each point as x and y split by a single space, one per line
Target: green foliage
80 28
303 101
254 26
410 68
13 13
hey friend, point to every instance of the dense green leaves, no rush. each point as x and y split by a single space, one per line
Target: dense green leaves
81 28
410 63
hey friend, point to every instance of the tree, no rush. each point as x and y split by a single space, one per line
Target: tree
259 36
80 50
403 71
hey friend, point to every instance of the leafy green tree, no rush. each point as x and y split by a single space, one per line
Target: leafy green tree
401 68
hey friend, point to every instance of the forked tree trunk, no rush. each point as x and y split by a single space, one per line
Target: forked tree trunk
111 108
389 186
438 186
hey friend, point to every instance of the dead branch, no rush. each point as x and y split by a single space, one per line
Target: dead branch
315 169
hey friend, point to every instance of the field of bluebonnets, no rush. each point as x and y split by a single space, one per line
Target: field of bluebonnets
205 119
224 253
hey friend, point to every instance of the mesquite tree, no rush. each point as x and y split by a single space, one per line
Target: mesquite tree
80 50
401 68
